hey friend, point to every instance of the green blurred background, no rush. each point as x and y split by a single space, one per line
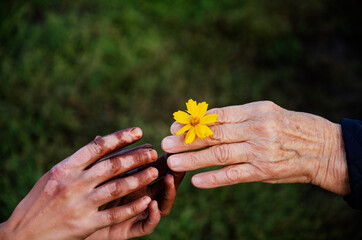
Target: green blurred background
71 70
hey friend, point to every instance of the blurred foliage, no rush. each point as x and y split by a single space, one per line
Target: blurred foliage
71 70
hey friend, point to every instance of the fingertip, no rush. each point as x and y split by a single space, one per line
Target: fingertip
168 144
197 181
169 163
169 180
137 132
154 205
164 144
146 200
174 128
155 214
153 154
153 172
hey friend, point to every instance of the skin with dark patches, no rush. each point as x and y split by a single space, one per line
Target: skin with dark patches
163 191
66 202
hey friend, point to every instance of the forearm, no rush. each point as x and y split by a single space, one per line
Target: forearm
332 171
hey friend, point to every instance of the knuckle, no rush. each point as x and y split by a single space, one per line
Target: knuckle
134 209
222 116
56 172
112 165
268 106
193 160
221 154
232 174
112 216
95 147
213 180
115 188
218 134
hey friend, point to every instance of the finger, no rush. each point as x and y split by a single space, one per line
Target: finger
175 127
118 164
224 133
178 177
160 164
224 154
147 226
235 114
227 176
120 187
143 146
119 214
168 195
246 172
103 146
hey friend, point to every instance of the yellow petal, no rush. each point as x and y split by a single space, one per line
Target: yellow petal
181 117
183 129
203 131
201 109
191 107
210 118
190 136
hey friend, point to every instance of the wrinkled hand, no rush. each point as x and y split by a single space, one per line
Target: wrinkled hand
65 202
263 142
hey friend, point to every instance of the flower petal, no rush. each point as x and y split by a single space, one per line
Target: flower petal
210 118
201 109
191 107
203 131
181 117
183 129
190 136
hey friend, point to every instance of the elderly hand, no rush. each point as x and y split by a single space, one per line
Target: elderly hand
65 202
263 142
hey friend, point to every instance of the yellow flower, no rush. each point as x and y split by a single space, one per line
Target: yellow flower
195 123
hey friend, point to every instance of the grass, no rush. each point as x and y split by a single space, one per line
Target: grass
72 70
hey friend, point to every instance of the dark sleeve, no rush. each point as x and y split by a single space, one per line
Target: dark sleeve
352 136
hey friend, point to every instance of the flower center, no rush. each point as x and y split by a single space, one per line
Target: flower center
195 121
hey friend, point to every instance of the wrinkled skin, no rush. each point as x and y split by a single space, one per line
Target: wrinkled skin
68 201
262 142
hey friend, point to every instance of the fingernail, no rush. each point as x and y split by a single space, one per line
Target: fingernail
167 143
146 200
174 162
137 132
153 154
197 181
153 172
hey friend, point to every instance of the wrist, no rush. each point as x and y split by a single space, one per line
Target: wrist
332 173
